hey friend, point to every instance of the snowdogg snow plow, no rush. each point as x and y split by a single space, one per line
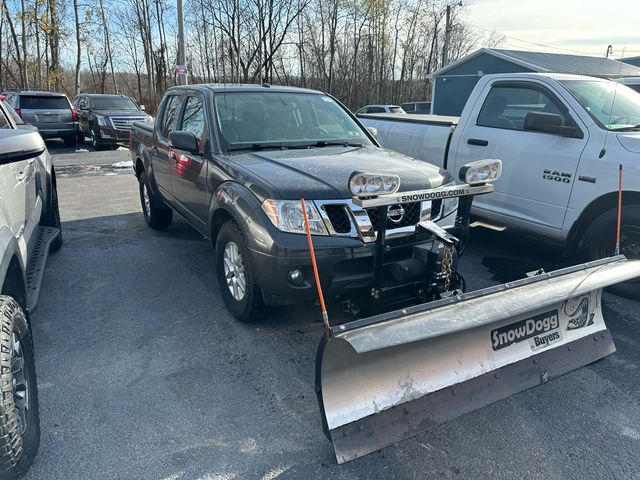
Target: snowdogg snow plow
397 373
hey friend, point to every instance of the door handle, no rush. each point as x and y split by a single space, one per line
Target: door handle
477 141
21 175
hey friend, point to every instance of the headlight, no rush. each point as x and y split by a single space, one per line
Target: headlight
287 216
101 121
449 205
368 184
481 171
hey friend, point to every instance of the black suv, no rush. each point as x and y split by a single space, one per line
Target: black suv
106 119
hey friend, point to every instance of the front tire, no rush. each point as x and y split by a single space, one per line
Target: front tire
237 285
19 415
95 141
156 218
600 239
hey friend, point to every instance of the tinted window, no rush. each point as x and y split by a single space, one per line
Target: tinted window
193 117
170 115
507 106
375 110
635 87
4 123
43 102
396 110
112 103
12 113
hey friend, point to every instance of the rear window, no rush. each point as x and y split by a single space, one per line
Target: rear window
396 110
44 102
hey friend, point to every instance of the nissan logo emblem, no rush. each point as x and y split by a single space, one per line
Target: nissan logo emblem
395 213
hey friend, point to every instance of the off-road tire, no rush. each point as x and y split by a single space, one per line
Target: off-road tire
51 218
156 218
17 449
251 307
599 242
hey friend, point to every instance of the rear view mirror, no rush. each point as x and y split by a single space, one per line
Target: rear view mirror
186 141
373 131
550 123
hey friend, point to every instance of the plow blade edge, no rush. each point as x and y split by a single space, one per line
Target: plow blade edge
385 378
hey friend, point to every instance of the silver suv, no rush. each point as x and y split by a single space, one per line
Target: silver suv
29 229
51 112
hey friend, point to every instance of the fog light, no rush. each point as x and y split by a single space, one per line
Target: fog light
295 276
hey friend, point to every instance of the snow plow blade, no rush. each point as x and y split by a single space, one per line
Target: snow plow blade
385 378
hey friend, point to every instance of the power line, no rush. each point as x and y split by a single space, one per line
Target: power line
533 43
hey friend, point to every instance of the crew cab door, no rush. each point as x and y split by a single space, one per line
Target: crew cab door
160 150
189 169
539 169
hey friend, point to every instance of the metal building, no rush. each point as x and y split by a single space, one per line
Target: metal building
453 84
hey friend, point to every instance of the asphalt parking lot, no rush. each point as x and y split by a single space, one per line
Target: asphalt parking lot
143 374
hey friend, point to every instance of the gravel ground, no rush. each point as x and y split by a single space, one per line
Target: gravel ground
144 375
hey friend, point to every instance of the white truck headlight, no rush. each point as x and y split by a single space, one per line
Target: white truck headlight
481 171
368 184
102 122
286 215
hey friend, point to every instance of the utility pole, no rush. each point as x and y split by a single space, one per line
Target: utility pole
181 68
447 33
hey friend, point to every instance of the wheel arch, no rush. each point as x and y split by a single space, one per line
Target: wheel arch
14 283
233 201
597 207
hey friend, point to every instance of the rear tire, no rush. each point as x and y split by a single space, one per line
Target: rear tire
19 416
156 218
51 218
239 291
80 138
69 141
599 242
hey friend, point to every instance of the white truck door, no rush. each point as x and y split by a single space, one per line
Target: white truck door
539 168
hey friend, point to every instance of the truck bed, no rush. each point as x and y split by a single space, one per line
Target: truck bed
424 137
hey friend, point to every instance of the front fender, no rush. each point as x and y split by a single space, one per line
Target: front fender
233 200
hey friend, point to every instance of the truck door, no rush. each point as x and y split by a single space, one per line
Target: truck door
160 151
538 168
189 169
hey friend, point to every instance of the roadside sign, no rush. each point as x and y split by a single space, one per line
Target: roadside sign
181 70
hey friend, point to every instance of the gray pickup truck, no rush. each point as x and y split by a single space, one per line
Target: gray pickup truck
235 161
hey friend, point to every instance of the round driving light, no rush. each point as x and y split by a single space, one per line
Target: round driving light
295 276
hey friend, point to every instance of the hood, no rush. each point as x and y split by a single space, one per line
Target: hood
119 113
630 141
323 173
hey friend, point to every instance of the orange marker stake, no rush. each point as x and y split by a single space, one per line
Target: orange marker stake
325 316
619 209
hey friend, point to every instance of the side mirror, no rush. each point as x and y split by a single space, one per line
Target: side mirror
142 108
550 123
22 147
182 140
373 131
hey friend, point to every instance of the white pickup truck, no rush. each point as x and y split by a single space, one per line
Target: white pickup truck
561 139
29 228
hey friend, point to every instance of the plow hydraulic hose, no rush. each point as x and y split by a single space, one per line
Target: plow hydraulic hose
325 316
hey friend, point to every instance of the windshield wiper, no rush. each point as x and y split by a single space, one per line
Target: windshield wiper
627 129
344 143
263 146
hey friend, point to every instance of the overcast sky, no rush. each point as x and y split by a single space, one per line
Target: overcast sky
586 26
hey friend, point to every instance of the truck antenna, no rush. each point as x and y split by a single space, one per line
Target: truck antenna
325 316
619 209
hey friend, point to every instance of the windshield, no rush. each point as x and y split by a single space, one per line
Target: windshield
612 105
283 120
113 103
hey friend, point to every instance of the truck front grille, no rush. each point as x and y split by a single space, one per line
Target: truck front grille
339 217
409 216
125 123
